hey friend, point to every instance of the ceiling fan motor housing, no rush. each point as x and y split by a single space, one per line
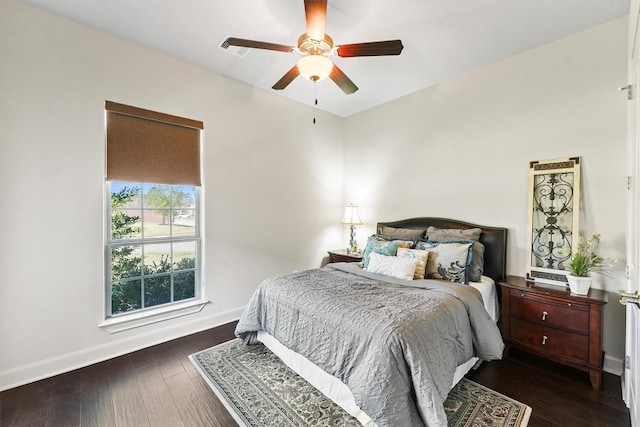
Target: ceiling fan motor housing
308 46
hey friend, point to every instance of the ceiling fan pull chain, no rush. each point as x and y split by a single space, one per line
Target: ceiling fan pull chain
315 103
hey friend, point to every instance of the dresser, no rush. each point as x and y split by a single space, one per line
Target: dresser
551 322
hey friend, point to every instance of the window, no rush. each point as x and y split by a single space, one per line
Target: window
153 245
153 240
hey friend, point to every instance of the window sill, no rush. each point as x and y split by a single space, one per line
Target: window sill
147 317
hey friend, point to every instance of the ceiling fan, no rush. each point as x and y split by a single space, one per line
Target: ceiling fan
316 46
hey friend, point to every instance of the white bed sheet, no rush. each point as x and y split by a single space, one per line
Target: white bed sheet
338 391
487 288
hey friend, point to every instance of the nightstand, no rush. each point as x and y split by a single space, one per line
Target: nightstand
341 255
553 323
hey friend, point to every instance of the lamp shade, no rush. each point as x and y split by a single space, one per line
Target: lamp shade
315 67
351 216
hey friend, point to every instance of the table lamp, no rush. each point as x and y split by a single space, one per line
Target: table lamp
352 219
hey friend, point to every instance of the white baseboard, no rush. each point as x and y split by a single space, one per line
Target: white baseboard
612 365
68 362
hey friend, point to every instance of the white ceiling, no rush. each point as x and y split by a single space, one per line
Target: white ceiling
442 38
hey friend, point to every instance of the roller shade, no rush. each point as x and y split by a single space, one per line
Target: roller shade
151 147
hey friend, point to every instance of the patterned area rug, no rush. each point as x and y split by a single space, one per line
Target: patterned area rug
261 391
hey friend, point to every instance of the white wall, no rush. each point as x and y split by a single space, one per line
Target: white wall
272 185
462 149
273 181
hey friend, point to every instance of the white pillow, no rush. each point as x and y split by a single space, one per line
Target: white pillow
418 254
400 268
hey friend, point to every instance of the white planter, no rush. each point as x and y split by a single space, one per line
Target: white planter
579 285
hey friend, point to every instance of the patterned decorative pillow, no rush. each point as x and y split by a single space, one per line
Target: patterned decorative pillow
379 244
447 261
418 254
401 233
393 266
450 235
434 233
477 259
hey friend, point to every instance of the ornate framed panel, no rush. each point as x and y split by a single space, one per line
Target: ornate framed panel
554 198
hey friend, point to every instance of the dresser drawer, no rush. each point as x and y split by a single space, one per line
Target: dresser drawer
569 316
543 338
343 256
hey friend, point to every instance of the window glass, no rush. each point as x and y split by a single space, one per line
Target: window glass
153 246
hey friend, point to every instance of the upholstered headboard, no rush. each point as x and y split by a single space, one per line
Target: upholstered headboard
494 240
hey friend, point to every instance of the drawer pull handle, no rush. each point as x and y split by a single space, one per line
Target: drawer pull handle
544 315
569 304
544 340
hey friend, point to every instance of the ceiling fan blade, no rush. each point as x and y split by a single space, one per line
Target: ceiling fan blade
287 78
342 80
233 41
316 13
388 47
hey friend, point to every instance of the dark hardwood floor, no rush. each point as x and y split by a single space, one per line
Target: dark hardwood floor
559 396
158 386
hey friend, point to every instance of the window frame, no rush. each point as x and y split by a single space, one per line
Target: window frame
146 315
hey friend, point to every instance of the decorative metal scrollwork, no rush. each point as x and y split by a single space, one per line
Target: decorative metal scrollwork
554 194
552 220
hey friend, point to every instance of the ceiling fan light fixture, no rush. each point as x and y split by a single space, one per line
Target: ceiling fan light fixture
315 67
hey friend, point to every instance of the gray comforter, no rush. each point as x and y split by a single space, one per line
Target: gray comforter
395 343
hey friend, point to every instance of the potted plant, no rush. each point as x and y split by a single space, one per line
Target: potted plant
585 260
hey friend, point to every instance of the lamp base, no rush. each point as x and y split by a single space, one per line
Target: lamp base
353 245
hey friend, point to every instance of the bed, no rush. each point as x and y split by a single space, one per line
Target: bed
386 349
